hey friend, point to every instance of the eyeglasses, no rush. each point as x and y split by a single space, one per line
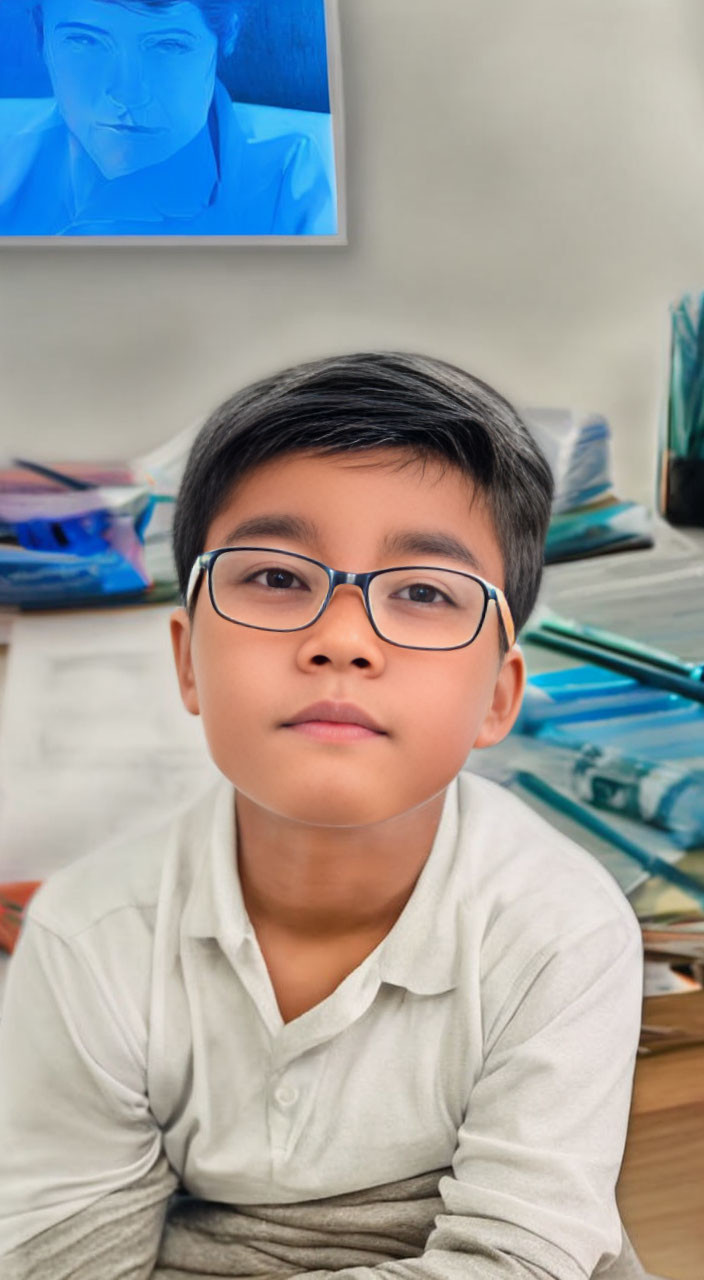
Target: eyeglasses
414 607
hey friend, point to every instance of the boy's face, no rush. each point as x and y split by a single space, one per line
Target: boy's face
433 706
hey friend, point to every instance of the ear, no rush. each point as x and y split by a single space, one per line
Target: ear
233 31
180 625
506 702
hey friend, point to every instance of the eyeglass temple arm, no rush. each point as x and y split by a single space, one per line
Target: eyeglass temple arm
196 571
505 616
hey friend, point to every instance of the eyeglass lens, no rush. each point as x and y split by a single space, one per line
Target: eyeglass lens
428 608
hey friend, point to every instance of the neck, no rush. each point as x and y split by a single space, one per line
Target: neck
317 883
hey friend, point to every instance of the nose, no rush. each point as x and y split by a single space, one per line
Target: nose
128 86
343 635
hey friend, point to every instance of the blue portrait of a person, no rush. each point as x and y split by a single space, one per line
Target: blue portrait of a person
141 136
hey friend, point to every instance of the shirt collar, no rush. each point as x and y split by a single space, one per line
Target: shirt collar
180 187
420 951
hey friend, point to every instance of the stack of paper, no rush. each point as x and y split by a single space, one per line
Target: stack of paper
587 517
578 452
94 739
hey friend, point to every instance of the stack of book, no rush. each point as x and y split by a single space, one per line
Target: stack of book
84 534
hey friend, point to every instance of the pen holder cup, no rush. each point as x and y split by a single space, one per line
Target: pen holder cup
684 490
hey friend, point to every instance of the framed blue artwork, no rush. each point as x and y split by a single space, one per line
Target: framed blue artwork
170 120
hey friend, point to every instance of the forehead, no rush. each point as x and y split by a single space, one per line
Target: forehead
349 508
121 15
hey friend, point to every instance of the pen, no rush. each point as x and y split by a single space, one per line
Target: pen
689 686
651 862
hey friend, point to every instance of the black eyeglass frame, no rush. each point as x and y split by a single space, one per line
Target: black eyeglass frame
340 577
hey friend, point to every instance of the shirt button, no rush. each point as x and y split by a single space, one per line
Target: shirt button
286 1095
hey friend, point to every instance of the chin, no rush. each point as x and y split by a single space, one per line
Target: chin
322 807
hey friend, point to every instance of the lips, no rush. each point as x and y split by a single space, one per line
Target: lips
336 713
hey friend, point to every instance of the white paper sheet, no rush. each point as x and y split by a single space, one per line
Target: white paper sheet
94 739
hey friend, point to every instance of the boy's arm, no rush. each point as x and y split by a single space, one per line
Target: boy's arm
541 1144
76 1132
116 1238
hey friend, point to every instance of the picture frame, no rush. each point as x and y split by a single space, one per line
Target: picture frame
174 122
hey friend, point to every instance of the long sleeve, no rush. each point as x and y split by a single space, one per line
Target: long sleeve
75 1124
494 1062
530 1195
532 1192
115 1238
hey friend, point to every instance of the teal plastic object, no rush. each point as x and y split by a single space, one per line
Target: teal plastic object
682 453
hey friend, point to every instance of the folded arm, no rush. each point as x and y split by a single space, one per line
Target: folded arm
82 1158
532 1189
115 1238
85 1187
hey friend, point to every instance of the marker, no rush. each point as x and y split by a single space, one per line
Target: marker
622 645
687 686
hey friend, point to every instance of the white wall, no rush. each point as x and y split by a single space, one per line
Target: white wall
526 195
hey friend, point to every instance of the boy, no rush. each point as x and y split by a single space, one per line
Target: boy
373 1015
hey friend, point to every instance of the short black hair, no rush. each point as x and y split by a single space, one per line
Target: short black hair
372 400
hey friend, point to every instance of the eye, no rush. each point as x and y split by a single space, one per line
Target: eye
277 579
170 45
82 40
424 593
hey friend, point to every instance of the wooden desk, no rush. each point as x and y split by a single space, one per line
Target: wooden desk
661 1188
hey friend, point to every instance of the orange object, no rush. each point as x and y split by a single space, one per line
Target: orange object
13 901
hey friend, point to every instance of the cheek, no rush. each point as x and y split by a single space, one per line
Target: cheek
185 91
236 684
447 708
75 86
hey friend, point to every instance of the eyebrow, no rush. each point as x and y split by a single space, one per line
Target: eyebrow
173 31
401 542
101 31
82 26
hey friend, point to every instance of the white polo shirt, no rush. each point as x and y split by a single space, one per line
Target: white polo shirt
494 1030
